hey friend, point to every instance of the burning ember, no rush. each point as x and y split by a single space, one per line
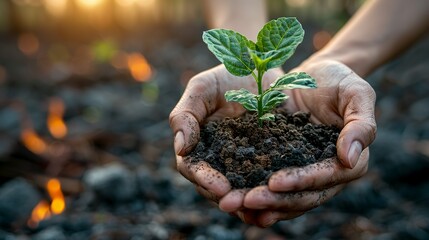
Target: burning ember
43 209
40 212
32 141
54 189
55 122
139 67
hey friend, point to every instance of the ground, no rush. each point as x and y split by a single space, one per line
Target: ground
116 164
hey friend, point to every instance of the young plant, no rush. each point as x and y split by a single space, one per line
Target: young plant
276 43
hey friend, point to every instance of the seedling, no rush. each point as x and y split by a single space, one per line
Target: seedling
276 42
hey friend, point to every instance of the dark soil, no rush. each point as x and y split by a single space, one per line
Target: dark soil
247 154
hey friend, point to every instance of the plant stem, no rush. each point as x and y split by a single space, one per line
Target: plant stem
259 82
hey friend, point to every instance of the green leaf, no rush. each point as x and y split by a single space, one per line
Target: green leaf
244 97
268 116
231 48
294 80
272 99
278 39
260 60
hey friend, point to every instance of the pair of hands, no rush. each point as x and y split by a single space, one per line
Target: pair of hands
342 99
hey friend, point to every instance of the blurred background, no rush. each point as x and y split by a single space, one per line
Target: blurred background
86 152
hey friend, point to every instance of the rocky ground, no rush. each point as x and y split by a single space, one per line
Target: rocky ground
116 164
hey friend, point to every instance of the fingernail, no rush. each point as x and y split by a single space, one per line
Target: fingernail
354 153
270 220
241 216
179 142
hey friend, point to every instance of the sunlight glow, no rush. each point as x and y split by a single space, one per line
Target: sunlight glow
56 7
89 4
125 3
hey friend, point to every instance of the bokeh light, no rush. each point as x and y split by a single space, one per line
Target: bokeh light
139 67
56 7
320 39
297 3
125 3
89 4
32 141
28 43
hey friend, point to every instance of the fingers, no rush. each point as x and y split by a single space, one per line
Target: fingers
195 104
264 208
359 129
207 194
321 175
343 99
184 166
267 218
262 198
233 200
205 176
210 179
186 131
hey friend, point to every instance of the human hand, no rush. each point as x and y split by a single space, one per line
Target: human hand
203 101
343 99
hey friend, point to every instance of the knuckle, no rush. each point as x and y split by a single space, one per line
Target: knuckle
172 118
371 129
358 86
363 171
172 115
301 180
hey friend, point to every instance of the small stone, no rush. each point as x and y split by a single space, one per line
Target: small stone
112 182
219 232
6 235
17 200
157 231
53 233
145 182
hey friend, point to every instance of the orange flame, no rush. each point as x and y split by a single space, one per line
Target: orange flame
32 141
40 212
54 189
43 209
139 67
56 125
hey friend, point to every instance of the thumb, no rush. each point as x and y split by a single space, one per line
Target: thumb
186 131
186 117
359 124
